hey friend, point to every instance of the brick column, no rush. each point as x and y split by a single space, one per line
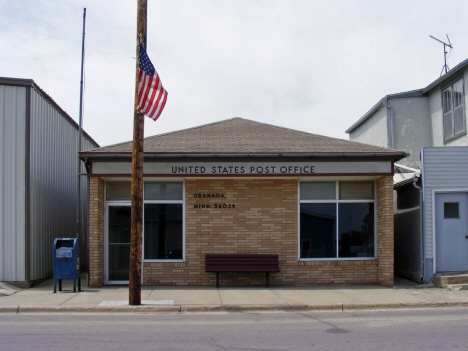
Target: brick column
385 231
96 232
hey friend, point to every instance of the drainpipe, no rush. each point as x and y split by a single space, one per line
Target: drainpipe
390 123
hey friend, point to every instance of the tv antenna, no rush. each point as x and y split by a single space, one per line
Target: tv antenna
445 52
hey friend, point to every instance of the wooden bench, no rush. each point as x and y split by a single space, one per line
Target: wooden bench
241 263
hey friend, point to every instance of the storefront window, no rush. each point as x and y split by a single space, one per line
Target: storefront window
163 231
163 221
318 190
163 191
336 227
356 230
318 230
117 191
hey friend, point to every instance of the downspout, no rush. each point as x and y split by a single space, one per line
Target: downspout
390 123
416 177
423 230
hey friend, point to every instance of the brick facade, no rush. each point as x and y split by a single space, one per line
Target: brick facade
264 219
96 232
385 242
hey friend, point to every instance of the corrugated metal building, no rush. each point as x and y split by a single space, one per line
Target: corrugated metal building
38 180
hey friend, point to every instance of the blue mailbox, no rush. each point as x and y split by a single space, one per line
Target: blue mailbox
66 262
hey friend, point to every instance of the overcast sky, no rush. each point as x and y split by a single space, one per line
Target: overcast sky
315 66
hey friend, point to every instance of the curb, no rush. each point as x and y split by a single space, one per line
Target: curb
229 308
405 305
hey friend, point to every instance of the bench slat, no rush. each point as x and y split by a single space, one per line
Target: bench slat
234 269
241 263
247 263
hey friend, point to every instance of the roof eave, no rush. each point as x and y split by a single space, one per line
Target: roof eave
376 107
446 76
366 116
29 83
397 155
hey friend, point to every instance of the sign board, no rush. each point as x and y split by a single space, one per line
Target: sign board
245 168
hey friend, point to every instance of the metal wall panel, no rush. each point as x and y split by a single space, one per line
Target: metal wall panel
53 182
444 168
12 181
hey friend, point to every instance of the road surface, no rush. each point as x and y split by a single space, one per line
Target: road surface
418 329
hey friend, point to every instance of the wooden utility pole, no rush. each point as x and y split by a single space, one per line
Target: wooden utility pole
137 175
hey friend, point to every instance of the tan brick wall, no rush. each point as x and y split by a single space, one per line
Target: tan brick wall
264 220
96 232
385 230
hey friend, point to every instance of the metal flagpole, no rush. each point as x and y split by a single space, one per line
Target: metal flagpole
80 131
134 297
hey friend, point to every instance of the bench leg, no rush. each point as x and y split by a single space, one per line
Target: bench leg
267 282
217 279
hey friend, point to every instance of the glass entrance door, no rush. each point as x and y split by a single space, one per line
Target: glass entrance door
118 249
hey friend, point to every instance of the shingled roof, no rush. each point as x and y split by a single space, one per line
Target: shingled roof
238 136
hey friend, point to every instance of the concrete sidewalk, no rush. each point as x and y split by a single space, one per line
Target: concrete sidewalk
405 294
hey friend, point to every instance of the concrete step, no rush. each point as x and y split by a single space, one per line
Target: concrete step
450 279
455 287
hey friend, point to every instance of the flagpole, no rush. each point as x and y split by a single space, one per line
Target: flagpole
80 133
137 175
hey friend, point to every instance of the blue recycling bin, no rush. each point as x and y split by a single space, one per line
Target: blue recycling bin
66 262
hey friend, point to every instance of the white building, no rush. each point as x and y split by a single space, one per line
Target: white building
431 233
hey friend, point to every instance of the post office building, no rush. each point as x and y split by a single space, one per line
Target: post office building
324 206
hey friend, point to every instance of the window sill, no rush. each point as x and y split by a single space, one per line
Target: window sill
360 261
453 138
164 263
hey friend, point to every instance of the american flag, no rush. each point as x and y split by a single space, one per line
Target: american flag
151 94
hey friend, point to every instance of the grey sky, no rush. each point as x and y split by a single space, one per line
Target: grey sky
315 66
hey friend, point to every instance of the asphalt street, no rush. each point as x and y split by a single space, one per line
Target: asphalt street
402 329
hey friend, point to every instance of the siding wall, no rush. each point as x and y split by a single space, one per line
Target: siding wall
12 182
444 168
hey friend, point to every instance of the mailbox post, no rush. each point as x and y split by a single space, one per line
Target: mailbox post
66 262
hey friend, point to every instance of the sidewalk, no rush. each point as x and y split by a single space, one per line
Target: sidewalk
405 294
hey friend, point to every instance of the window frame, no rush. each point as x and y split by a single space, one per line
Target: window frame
446 216
107 205
165 202
450 86
336 201
127 202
